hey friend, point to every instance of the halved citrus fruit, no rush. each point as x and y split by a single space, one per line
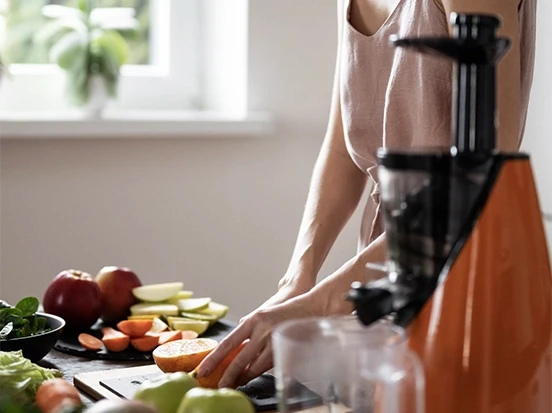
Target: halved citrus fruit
183 355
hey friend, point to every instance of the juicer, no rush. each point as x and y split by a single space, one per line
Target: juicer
468 272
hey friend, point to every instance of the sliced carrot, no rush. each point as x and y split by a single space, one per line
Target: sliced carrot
145 343
90 342
167 336
114 340
134 328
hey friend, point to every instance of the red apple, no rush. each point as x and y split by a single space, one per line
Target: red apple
74 296
116 284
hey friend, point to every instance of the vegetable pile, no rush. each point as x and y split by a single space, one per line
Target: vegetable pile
21 320
20 378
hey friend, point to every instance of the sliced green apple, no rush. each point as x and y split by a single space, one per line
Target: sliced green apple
182 295
158 326
193 304
219 310
148 309
143 317
184 324
157 292
199 316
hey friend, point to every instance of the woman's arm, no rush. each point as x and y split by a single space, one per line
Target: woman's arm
509 77
335 190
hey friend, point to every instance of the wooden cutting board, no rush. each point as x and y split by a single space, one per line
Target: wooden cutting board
94 384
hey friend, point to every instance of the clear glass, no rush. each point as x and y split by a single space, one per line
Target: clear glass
337 365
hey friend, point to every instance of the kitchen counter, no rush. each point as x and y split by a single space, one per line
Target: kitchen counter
71 365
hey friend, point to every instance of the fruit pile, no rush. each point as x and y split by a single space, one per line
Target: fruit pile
145 316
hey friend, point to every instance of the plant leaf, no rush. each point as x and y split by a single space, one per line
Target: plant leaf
28 306
68 50
112 43
47 33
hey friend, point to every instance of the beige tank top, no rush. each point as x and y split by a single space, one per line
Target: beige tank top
399 99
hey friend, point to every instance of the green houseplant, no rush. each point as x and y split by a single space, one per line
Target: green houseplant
86 42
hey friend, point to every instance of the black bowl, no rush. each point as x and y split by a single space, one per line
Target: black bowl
36 347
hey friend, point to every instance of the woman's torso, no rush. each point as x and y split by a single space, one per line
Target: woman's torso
397 98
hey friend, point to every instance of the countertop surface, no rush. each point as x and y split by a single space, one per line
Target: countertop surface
71 365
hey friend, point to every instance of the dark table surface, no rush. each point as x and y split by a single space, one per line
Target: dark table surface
70 366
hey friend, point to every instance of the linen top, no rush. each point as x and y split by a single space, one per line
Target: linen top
399 98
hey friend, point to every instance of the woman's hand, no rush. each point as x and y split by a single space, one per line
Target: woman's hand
256 357
289 287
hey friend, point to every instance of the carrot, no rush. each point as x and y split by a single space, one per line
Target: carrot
114 340
167 336
56 395
145 343
90 342
135 328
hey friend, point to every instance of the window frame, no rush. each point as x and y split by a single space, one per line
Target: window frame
172 80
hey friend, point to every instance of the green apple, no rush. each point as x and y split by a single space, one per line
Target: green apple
200 400
165 392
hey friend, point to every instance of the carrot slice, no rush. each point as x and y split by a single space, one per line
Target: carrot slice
114 340
90 342
145 343
135 328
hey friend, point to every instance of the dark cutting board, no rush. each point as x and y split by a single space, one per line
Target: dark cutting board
68 343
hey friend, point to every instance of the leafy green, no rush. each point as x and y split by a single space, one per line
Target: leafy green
28 306
20 379
21 320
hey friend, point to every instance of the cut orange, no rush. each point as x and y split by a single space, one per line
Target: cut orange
183 355
212 380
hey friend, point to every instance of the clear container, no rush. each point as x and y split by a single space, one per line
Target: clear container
346 366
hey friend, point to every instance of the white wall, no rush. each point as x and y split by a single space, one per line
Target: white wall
538 137
221 215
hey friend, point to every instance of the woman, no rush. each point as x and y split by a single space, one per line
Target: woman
381 97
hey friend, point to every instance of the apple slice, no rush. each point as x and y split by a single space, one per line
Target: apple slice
158 326
199 316
193 304
143 317
157 292
184 294
147 309
183 324
219 310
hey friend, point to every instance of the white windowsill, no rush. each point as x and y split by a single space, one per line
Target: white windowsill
133 124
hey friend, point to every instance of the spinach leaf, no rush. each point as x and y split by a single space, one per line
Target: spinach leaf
21 319
28 306
41 325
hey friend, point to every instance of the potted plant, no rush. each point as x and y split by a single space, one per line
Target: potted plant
87 44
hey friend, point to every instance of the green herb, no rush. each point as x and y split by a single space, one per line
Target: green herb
20 380
21 320
28 306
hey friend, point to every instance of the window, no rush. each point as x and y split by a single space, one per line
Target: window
187 55
24 19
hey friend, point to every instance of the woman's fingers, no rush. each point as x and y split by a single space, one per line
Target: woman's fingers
229 343
262 363
242 360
